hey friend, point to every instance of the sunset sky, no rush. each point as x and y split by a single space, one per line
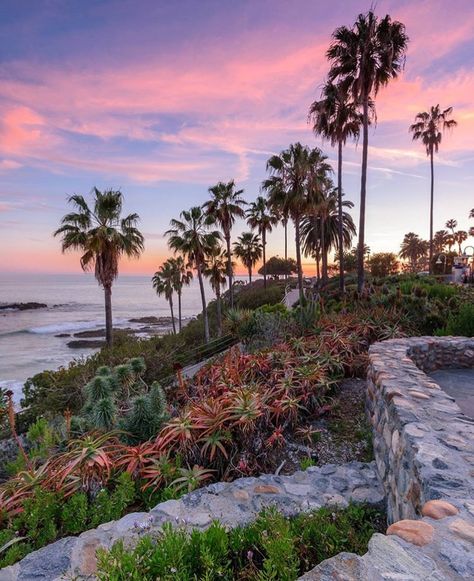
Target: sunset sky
162 99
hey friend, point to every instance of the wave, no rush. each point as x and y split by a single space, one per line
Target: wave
15 386
65 327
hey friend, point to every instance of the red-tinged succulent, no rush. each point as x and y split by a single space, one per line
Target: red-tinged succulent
134 459
191 478
277 438
158 473
210 415
215 443
178 432
246 407
87 463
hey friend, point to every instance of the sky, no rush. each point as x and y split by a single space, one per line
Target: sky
163 99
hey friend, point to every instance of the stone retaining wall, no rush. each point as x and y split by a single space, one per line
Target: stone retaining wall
235 503
424 450
423 443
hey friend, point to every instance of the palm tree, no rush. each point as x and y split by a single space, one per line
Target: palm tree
451 224
182 277
248 250
261 218
276 199
191 236
440 240
413 248
163 283
103 237
225 205
294 186
428 128
471 213
363 59
336 117
460 236
319 241
215 270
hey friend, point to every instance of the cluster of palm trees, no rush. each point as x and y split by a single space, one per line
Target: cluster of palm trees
416 250
362 59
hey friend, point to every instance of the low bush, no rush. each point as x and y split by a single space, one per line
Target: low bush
254 297
272 548
461 323
48 515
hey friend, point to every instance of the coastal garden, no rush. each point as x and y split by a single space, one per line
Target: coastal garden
279 388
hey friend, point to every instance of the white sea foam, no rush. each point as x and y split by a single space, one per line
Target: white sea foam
16 387
65 327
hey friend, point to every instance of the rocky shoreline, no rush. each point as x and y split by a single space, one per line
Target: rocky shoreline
94 338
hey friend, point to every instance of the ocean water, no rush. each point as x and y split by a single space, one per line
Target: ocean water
28 341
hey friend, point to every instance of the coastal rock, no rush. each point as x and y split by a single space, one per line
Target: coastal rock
90 334
22 306
152 320
85 344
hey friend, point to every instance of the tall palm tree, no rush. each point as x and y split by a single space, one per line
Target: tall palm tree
336 117
261 218
182 277
163 283
215 270
294 186
317 240
103 237
248 250
428 128
363 59
191 236
412 249
226 204
272 186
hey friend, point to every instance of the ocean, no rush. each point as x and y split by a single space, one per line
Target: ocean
28 339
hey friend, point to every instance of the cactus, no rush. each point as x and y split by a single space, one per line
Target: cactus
109 403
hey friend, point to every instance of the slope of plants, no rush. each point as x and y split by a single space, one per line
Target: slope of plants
131 444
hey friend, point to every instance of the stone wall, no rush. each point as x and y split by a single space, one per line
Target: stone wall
422 442
424 451
232 503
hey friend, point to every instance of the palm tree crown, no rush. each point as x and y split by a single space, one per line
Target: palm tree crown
248 249
429 126
412 249
103 237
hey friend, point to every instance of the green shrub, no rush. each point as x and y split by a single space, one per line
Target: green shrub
74 514
254 297
272 548
461 323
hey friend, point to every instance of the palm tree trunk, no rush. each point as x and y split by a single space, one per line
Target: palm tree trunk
264 243
219 313
229 268
108 315
318 273
298 258
430 268
363 186
180 325
285 222
342 287
172 315
250 274
324 252
203 300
